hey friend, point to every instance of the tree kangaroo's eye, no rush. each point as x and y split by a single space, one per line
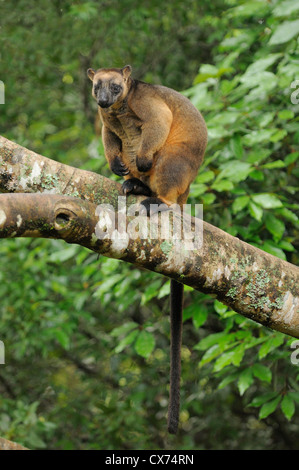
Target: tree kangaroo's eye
97 86
115 88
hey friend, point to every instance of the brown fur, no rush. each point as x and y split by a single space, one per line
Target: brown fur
156 127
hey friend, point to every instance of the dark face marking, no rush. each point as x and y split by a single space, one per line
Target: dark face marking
107 92
97 86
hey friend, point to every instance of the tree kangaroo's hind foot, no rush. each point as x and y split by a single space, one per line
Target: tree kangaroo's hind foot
135 186
153 205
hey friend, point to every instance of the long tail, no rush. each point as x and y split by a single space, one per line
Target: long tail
176 326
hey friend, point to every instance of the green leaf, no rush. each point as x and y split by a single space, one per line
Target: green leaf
286 114
272 343
208 199
224 360
284 32
269 408
85 11
205 177
261 399
217 132
291 158
288 406
223 185
257 137
248 9
107 284
267 201
129 339
238 354
229 313
63 255
210 354
286 246
210 71
240 203
165 290
258 155
262 372
263 63
220 307
150 292
227 380
234 171
245 380
198 189
233 356
265 119
276 164
236 146
63 338
257 175
123 329
273 250
275 226
286 8
288 215
198 313
211 340
262 80
145 344
256 211
206 71
279 135
200 316
294 396
225 118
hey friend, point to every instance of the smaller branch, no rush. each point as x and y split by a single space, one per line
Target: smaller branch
47 216
9 445
24 171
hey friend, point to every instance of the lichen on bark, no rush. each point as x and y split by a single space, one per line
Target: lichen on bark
68 203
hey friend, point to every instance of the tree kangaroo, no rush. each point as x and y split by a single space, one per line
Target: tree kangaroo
155 138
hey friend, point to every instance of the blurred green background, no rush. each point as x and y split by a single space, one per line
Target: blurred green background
87 339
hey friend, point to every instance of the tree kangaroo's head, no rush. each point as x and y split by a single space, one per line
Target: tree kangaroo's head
110 86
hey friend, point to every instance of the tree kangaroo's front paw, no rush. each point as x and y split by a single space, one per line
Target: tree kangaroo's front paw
143 164
118 167
135 186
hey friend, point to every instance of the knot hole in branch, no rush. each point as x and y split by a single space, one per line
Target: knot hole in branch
64 219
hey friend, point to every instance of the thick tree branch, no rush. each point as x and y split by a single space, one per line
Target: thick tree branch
252 282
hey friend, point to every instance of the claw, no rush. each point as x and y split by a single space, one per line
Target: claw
135 186
118 167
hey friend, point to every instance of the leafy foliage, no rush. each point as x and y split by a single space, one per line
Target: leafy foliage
87 339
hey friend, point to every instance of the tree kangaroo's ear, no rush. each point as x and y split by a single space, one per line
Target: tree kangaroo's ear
90 74
126 71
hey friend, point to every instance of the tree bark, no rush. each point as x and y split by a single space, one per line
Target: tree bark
9 445
88 209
